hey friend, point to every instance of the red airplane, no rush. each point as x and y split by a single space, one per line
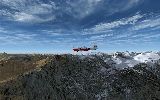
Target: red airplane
85 48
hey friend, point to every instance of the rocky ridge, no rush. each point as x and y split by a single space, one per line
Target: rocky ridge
85 77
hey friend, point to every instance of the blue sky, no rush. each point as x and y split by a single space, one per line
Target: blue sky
55 26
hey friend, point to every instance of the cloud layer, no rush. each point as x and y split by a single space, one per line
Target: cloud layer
70 22
41 11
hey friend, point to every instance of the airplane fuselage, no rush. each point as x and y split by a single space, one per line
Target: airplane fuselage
85 48
81 49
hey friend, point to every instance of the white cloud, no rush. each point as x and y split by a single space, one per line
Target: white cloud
58 41
113 6
14 4
29 11
81 8
107 27
128 30
154 36
131 3
92 31
55 32
5 12
26 36
148 23
2 30
96 37
11 36
52 33
78 9
39 9
24 17
17 38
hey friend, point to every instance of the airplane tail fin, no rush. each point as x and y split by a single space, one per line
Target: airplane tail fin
95 47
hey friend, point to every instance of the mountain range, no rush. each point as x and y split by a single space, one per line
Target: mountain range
98 76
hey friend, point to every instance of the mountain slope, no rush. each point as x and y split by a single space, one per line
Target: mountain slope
68 77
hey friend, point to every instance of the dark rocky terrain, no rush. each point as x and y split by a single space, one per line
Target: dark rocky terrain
76 77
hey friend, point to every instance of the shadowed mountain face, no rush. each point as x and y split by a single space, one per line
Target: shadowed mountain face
74 77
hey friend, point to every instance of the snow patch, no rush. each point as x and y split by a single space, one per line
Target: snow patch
117 60
132 63
147 57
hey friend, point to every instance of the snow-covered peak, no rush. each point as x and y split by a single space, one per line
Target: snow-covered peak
147 57
125 59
